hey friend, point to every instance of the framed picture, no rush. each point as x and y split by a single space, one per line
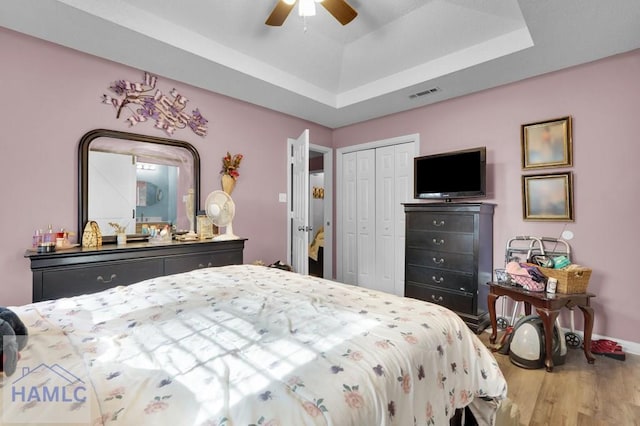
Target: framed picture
548 197
547 144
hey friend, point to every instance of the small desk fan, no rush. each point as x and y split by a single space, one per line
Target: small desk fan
220 209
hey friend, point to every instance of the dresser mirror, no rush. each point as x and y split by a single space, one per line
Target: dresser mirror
137 182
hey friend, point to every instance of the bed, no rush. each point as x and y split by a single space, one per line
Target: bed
249 345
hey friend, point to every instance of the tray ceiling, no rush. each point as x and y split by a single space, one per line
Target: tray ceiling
396 55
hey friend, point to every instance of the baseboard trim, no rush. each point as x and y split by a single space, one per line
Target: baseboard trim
627 346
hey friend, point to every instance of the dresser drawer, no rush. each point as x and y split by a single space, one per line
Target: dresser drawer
81 270
65 282
459 302
440 241
462 262
429 221
441 278
189 262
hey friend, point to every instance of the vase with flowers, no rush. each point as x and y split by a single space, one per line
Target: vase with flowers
229 172
121 232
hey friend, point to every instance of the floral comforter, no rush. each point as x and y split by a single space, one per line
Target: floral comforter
249 345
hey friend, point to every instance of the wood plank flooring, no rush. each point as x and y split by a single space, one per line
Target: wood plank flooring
576 393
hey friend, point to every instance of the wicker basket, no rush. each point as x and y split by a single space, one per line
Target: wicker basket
574 280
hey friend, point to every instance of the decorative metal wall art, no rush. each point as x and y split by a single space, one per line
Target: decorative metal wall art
145 102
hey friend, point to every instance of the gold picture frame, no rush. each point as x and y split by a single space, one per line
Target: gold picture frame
547 144
548 197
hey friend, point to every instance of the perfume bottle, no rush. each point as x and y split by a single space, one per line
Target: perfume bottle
37 238
50 236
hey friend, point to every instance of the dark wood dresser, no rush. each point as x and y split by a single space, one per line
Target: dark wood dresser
449 257
80 270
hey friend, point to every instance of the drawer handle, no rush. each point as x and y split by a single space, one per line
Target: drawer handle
436 299
438 261
208 265
438 223
102 280
437 280
438 242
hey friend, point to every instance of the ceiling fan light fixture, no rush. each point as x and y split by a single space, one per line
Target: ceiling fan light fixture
339 9
306 7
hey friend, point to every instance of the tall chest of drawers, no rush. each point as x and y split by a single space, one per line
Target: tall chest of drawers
449 257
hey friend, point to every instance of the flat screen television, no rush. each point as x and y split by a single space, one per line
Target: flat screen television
448 175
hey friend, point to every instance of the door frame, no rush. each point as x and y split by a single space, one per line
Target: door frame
327 154
414 137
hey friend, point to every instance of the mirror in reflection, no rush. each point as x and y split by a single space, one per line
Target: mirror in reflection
148 194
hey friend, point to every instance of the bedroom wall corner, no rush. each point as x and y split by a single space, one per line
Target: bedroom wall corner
53 97
603 99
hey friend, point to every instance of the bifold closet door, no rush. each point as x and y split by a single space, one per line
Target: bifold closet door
394 169
349 218
375 183
359 195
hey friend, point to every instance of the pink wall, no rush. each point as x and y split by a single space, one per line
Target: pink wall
604 100
52 96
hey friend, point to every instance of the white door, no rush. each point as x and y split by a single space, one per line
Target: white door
394 169
349 232
385 219
299 202
366 217
113 176
404 154
374 180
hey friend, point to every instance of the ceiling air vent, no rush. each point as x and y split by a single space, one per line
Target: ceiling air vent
424 92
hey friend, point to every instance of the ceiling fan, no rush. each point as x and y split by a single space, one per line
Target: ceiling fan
340 9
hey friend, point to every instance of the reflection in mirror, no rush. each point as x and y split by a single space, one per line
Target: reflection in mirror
149 194
136 181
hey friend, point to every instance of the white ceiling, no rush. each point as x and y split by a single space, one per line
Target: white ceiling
332 75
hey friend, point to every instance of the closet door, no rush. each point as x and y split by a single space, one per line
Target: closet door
375 183
403 193
394 169
366 217
349 218
385 219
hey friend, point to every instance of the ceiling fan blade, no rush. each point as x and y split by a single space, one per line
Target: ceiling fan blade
279 13
341 10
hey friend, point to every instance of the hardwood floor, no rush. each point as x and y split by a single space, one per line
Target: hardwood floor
576 393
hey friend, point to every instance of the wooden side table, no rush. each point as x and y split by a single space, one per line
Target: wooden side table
547 306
